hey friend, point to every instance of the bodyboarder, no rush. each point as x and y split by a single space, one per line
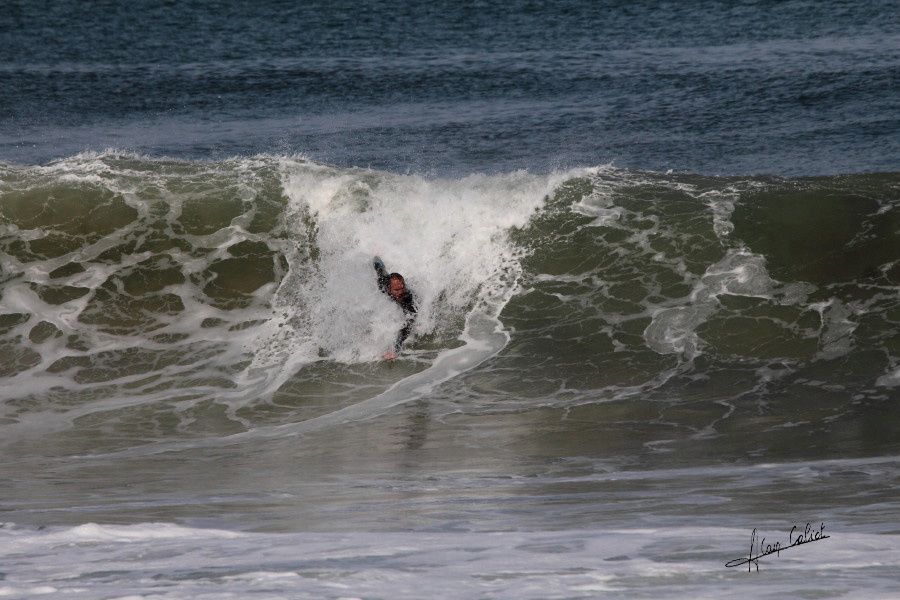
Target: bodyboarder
394 286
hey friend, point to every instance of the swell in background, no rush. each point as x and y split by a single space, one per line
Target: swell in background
795 88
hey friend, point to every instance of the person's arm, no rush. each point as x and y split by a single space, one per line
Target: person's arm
401 337
409 311
403 334
383 276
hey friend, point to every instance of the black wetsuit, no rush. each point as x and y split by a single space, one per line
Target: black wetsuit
407 302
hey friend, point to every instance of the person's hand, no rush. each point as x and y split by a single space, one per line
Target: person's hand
390 355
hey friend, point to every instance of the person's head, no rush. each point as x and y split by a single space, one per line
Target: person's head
396 286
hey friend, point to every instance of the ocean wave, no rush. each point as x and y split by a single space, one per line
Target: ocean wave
196 298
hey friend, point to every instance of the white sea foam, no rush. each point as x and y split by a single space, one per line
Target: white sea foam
738 273
447 237
889 379
668 562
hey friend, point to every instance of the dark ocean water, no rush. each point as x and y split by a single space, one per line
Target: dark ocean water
797 88
656 254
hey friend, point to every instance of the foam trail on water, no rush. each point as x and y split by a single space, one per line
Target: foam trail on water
484 336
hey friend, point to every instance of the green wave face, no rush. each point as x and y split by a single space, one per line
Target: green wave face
152 299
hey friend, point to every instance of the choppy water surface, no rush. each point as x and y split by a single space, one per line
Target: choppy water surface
801 87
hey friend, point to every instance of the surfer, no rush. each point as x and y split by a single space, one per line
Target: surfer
394 286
